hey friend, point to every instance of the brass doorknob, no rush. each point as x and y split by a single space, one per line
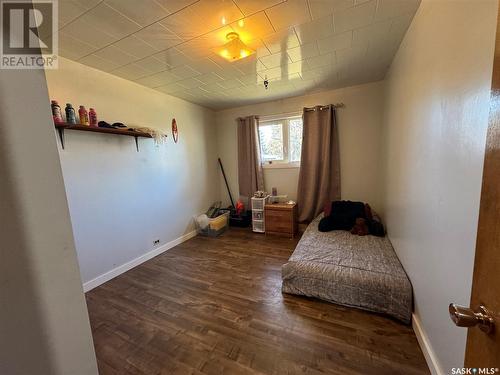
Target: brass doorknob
466 317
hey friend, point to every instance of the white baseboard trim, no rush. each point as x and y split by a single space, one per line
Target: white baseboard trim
89 285
425 345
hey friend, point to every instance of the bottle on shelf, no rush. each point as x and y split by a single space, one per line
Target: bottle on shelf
92 117
84 116
70 114
56 112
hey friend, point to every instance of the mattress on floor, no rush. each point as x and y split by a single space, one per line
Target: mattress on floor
351 270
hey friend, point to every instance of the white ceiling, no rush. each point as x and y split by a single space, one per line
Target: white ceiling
302 46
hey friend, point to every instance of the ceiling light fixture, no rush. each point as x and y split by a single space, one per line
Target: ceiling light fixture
235 49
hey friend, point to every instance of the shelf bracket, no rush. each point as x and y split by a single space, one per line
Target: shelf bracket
61 136
137 143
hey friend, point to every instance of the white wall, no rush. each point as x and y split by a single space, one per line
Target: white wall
359 124
436 121
121 200
44 326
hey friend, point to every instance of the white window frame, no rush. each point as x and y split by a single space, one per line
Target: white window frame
285 125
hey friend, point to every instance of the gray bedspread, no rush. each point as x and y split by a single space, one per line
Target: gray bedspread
351 270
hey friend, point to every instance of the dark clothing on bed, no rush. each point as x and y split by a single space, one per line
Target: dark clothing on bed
343 216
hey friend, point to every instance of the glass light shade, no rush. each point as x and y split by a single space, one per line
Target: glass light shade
235 49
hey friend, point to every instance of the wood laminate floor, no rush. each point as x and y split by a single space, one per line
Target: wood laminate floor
214 306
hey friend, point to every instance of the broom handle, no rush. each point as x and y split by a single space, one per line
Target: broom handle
227 185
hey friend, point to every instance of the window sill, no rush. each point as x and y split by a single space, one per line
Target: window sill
280 165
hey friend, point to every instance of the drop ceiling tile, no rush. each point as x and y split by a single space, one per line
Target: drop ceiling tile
158 37
230 84
198 91
131 72
205 65
246 66
297 67
209 78
212 87
335 42
215 38
256 26
191 83
393 8
311 31
184 71
253 6
105 18
202 17
347 56
320 8
173 6
111 53
259 66
171 88
289 13
259 47
304 83
158 79
250 79
186 95
173 57
187 23
194 53
135 47
321 61
281 40
303 52
318 72
376 31
70 10
229 71
99 63
275 60
86 4
70 54
352 18
145 13
73 47
274 73
85 32
153 65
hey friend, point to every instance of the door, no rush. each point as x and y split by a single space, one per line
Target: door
483 338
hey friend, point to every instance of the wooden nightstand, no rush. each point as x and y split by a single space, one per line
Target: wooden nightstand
281 219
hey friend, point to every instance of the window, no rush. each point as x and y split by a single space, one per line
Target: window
281 141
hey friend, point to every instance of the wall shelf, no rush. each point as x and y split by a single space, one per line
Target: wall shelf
61 127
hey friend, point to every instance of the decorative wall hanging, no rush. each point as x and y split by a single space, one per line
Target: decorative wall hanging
175 132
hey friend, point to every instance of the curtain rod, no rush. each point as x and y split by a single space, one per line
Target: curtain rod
336 105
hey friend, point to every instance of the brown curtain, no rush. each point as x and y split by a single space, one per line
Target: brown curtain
319 175
250 175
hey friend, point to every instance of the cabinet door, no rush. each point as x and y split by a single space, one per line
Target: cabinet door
279 221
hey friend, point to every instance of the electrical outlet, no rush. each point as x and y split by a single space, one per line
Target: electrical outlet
156 242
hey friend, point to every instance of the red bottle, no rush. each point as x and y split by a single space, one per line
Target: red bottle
92 117
56 112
